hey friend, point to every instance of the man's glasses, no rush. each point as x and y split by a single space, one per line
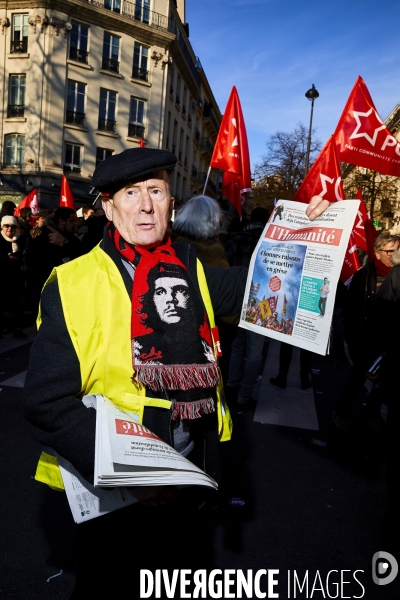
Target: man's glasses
10 226
388 251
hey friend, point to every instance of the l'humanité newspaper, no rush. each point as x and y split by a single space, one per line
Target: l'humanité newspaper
294 272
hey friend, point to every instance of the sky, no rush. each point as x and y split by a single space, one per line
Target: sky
274 50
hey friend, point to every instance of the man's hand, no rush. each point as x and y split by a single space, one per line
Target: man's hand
55 237
316 207
155 495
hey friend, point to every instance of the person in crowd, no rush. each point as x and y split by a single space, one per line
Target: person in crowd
247 347
12 290
7 209
95 229
24 226
357 314
87 211
94 312
198 223
64 244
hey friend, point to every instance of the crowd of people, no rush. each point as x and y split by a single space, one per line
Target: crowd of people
148 335
30 247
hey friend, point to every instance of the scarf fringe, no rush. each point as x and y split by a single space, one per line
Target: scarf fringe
177 377
193 410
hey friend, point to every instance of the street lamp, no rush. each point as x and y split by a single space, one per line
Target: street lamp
312 95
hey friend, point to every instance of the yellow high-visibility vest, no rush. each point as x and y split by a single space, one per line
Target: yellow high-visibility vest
97 311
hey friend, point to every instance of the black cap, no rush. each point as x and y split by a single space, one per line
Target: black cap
120 169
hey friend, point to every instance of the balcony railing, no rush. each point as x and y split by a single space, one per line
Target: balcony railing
21 46
206 144
15 110
78 55
76 118
194 172
135 11
109 64
135 130
107 125
139 73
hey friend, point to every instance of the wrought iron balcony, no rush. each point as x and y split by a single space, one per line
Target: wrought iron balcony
107 125
135 11
109 64
139 73
15 110
78 55
206 144
76 118
20 46
135 130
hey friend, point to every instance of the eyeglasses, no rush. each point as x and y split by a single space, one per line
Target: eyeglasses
390 252
10 226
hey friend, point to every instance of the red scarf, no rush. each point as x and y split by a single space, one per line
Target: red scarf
171 338
381 269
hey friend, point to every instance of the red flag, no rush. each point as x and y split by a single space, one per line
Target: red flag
30 201
370 232
66 198
324 178
351 262
231 153
142 144
362 138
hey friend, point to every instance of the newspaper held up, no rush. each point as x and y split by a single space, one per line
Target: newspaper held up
294 272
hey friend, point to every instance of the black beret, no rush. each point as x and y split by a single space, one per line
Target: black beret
120 169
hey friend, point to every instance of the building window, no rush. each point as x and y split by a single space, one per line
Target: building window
180 149
114 5
168 128
14 149
171 80
142 10
184 100
178 90
76 103
107 110
19 34
73 158
110 53
16 102
186 161
140 58
78 43
136 118
102 154
174 134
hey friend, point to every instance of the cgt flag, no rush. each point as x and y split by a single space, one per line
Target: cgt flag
362 138
231 153
30 201
324 178
66 198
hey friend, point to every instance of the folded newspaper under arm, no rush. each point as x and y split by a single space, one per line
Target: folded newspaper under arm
126 454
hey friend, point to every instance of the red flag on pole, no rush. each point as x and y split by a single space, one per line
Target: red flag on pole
142 144
324 178
362 138
30 201
66 198
351 262
231 153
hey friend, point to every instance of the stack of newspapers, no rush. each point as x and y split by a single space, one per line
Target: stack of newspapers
127 454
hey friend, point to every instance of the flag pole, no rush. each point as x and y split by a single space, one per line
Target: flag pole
208 175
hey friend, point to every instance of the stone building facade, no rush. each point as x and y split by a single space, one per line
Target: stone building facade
83 79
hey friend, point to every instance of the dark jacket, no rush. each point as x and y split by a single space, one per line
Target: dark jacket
53 382
360 299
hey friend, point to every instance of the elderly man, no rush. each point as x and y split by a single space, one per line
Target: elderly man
364 285
109 325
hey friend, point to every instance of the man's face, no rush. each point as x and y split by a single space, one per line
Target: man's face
69 226
141 211
171 296
88 214
385 254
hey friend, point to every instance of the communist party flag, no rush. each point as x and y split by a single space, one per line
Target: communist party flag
324 178
30 201
370 233
351 262
142 144
66 198
231 153
362 138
